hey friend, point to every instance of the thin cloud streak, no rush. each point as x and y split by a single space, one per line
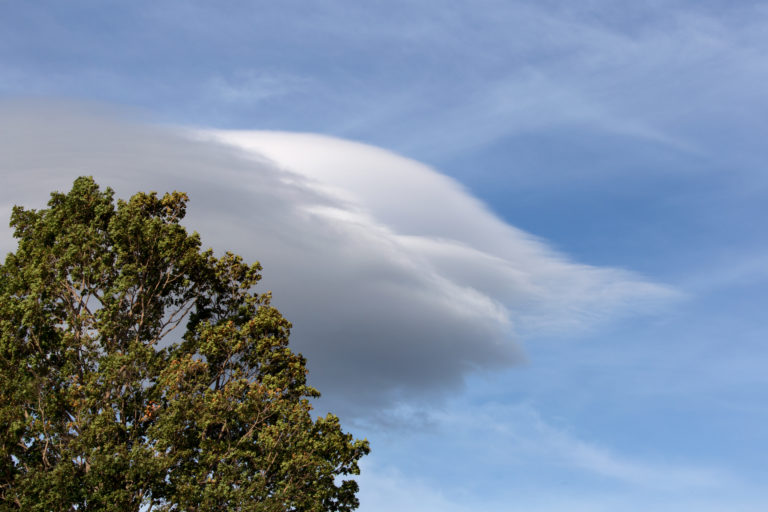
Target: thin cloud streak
250 86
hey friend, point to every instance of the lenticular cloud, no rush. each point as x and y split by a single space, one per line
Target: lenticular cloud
398 282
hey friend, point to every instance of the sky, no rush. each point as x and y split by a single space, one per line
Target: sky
520 242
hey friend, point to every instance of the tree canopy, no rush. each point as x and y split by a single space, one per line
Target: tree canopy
102 410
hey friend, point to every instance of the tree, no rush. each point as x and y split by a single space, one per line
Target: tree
100 411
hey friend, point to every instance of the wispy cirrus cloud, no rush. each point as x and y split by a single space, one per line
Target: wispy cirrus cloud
461 78
519 450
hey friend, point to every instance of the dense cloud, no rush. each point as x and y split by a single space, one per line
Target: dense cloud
397 281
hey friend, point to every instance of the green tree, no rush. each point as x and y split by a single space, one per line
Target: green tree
99 411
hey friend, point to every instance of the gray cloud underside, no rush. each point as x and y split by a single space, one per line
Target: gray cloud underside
397 281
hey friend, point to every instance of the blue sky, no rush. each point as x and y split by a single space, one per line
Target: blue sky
565 220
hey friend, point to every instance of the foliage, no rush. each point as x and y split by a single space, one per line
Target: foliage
99 411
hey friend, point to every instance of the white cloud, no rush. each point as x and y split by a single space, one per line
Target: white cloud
440 227
398 282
